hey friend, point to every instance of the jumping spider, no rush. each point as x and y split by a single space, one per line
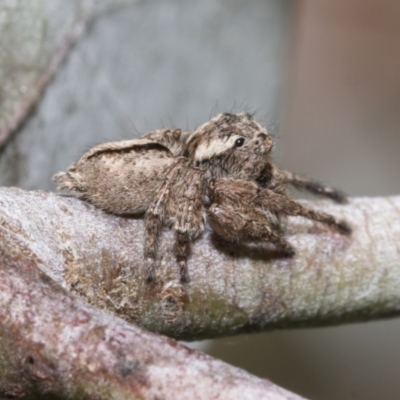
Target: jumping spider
221 173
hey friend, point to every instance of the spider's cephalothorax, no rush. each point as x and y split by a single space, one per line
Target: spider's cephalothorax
221 173
233 146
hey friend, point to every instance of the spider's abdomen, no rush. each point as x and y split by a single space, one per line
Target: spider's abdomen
120 180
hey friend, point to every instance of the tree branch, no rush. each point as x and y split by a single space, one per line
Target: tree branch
54 45
53 343
332 279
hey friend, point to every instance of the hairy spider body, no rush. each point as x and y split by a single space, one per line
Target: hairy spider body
221 173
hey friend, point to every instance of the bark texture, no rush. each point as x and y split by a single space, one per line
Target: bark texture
53 345
332 279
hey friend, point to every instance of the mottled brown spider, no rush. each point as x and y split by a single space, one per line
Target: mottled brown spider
221 173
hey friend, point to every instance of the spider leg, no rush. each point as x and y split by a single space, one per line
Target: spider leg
153 229
155 220
182 249
235 216
314 187
188 220
284 205
237 222
243 210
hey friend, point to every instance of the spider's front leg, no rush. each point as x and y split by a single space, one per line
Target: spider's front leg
242 210
235 218
302 183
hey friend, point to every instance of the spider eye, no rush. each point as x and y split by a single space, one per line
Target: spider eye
239 142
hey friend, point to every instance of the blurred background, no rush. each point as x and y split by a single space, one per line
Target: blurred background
323 75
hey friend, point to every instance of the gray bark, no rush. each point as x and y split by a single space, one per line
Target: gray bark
52 345
332 279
